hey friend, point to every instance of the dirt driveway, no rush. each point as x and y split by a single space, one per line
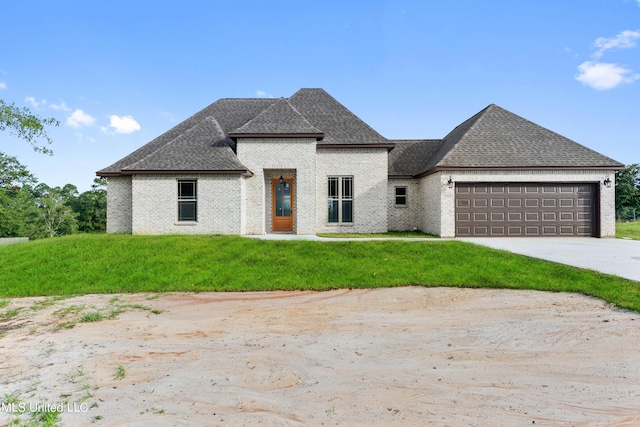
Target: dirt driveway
403 356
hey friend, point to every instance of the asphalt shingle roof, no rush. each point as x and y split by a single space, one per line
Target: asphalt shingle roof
280 118
492 138
202 142
340 126
409 157
498 138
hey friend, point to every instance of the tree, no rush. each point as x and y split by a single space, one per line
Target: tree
18 208
628 192
14 174
22 123
55 213
91 207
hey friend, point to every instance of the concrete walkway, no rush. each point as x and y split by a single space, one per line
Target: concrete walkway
336 239
619 257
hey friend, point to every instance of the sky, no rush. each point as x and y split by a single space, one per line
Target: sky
117 74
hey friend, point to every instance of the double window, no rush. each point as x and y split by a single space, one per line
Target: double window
187 200
340 199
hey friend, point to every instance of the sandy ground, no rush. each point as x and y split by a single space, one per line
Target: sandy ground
403 356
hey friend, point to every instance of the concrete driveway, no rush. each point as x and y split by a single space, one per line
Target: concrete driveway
612 256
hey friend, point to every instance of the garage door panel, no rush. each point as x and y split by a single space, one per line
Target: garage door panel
463 216
498 230
480 216
567 216
515 216
530 209
532 231
567 230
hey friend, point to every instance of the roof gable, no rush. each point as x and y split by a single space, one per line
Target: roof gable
281 118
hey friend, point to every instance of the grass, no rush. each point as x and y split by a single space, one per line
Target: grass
85 264
628 230
120 373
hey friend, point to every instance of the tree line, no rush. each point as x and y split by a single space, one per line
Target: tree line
36 210
628 193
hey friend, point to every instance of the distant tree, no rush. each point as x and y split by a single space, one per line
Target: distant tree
18 212
18 208
37 210
55 213
26 125
628 192
91 207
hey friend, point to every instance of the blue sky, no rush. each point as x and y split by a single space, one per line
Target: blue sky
117 74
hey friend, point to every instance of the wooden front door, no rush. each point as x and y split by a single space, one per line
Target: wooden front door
282 194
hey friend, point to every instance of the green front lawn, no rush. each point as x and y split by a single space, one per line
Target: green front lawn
81 264
628 230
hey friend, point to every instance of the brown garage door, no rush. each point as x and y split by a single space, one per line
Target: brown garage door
525 209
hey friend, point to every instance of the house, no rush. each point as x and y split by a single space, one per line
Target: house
307 165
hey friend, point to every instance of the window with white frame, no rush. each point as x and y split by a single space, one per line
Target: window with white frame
340 196
187 200
401 196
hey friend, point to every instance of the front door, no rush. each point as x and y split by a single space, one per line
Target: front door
282 191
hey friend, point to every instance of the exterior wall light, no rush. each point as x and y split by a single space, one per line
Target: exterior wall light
607 182
450 183
281 179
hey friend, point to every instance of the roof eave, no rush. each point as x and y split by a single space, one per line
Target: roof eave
175 172
513 168
317 136
389 147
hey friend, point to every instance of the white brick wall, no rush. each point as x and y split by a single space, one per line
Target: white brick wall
268 158
447 220
233 204
368 166
119 204
403 218
431 191
155 204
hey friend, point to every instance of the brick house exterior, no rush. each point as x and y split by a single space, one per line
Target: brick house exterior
308 165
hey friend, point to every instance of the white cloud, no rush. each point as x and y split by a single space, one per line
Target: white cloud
3 85
263 94
603 76
62 106
624 40
79 118
33 102
124 124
